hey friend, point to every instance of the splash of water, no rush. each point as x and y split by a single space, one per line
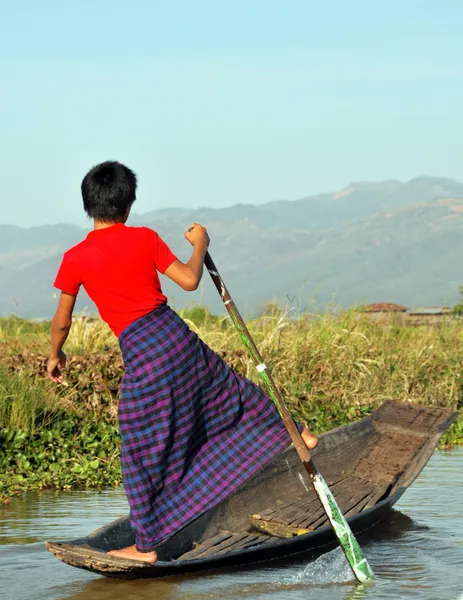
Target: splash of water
331 567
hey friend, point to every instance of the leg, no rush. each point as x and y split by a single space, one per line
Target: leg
131 553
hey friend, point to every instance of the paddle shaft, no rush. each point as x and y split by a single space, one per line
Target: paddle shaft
342 530
264 373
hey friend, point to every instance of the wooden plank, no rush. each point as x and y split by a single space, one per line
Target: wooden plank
224 546
348 502
306 506
224 543
322 519
246 542
347 498
289 508
306 498
361 503
269 511
375 497
309 520
199 548
304 514
361 498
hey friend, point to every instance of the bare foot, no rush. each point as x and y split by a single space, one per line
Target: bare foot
310 440
131 553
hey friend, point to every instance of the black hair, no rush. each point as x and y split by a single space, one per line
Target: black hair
108 190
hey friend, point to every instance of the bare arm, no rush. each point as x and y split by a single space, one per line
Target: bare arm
60 326
188 275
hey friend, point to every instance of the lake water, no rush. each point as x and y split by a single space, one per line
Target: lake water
418 553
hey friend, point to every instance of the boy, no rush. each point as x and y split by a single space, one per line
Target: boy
192 430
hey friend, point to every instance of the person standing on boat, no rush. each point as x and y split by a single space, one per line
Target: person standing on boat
192 430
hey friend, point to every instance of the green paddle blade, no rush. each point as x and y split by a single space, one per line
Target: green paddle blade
347 541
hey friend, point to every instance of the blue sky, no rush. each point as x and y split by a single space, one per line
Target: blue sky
218 102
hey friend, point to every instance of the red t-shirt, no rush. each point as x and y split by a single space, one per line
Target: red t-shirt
118 268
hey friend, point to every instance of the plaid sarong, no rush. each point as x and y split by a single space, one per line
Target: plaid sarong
192 430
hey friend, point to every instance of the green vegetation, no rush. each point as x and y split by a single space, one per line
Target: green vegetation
14 326
331 370
458 308
58 436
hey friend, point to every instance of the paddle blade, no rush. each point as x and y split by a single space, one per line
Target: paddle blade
347 541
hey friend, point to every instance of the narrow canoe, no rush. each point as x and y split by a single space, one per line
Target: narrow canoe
368 465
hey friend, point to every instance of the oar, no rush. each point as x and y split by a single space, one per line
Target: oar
349 544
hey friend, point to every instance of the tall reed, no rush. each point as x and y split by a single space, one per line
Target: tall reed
318 361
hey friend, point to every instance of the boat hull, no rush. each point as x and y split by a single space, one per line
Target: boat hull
368 464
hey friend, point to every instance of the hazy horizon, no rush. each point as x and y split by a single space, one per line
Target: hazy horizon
86 222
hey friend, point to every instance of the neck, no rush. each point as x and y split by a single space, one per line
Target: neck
104 224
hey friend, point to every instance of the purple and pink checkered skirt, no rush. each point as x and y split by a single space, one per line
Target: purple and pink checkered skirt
192 430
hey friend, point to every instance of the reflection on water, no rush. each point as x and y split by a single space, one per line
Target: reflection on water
416 553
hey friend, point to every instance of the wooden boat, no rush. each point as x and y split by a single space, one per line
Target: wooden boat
368 464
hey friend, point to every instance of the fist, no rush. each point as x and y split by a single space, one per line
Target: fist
197 234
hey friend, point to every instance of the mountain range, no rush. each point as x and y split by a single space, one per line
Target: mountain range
370 242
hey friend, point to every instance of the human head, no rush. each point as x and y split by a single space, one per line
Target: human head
108 191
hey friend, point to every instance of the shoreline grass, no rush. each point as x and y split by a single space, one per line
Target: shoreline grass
331 369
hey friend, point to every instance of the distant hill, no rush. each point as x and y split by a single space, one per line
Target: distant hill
370 242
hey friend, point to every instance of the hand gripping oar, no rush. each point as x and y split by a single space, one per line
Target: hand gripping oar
349 544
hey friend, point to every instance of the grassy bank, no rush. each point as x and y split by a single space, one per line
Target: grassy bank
331 370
